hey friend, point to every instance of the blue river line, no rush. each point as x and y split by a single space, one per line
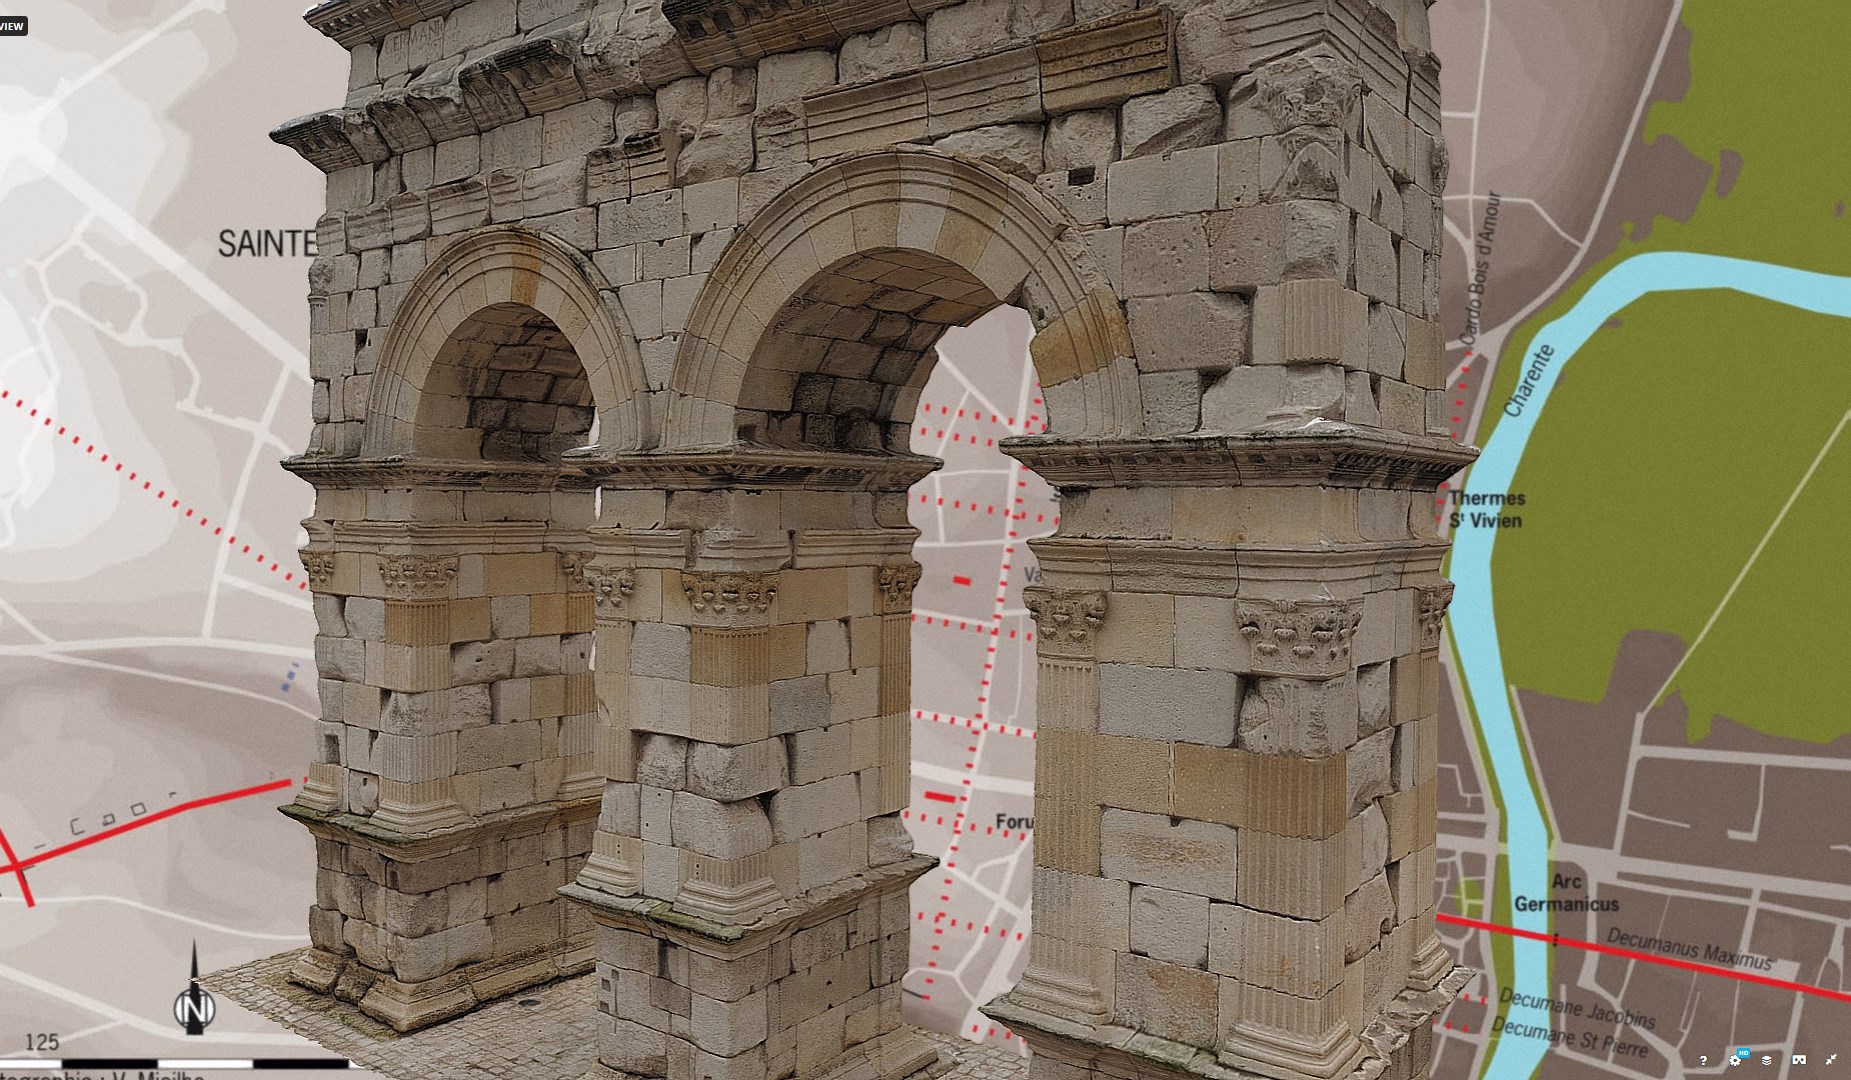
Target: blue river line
1472 616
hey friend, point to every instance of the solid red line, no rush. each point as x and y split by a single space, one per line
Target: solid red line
1593 946
941 796
18 870
159 815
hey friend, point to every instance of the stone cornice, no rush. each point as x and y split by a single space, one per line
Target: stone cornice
359 22
754 467
336 473
1330 455
484 831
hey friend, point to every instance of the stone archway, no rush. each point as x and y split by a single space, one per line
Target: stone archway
1220 219
502 269
945 240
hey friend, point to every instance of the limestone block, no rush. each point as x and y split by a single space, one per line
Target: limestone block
1299 716
731 91
1292 876
1030 17
1372 696
1176 704
1203 331
965 29
1084 907
1378 270
1139 774
1171 401
867 116
1368 914
1285 795
620 811
1187 856
820 753
832 856
1274 242
1403 407
1169 255
1387 339
810 809
724 830
719 149
1244 399
784 77
1013 148
1105 62
1081 138
497 746
890 49
1297 956
1179 119
728 773
1212 42
1426 354
1370 830
1169 925
576 129
800 703
1167 1000
1001 88
662 761
482 661
640 219
1186 182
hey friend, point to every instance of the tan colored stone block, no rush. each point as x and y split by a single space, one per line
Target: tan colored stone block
520 572
417 622
1140 630
1281 794
469 619
1105 62
1137 772
547 614
1206 632
1291 876
1153 849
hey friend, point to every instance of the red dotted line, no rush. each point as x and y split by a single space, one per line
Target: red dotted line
160 494
1462 1029
990 508
966 624
940 925
1029 423
974 724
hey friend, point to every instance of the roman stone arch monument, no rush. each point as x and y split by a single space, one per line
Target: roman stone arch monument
620 320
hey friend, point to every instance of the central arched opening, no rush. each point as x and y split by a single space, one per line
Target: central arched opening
841 366
974 671
904 351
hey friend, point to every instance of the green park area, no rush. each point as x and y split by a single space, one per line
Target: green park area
1680 430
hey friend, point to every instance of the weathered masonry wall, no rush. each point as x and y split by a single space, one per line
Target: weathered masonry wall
620 319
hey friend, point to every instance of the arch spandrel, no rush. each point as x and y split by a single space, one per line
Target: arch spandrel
498 266
973 219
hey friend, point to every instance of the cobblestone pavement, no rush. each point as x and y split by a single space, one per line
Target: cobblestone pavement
546 1033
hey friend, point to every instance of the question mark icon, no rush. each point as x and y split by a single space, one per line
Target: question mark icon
1703 1059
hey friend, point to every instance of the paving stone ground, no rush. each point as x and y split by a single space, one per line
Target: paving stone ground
546 1033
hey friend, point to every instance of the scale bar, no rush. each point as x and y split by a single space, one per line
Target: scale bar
155 1064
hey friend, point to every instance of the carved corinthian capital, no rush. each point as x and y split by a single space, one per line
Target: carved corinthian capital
319 565
418 577
729 593
897 582
1067 621
610 585
1434 600
1299 638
